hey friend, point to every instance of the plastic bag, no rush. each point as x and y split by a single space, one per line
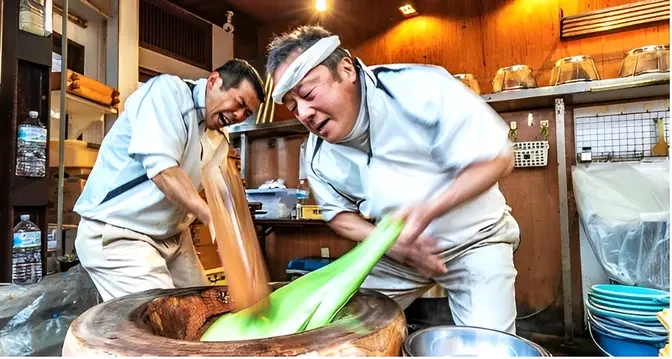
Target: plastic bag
35 318
624 209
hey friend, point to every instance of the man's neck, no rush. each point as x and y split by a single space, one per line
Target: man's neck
359 136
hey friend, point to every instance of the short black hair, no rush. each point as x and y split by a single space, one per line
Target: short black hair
300 39
234 71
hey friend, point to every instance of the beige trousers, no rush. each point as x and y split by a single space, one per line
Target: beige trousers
480 279
121 261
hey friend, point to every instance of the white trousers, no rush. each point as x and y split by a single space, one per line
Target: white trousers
480 279
121 261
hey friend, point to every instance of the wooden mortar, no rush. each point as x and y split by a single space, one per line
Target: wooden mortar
168 322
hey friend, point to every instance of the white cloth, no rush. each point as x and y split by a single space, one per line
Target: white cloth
480 280
425 127
120 261
161 127
303 63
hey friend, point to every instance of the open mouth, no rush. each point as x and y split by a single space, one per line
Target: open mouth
319 128
223 121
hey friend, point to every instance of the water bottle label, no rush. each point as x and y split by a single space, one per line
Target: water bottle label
300 194
26 239
33 134
51 241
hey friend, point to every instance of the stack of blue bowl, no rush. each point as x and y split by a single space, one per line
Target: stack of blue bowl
622 319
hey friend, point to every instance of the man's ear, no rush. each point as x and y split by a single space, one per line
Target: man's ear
347 70
212 80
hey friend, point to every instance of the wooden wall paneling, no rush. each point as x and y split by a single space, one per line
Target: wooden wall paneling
532 193
481 36
245 36
288 243
263 164
273 158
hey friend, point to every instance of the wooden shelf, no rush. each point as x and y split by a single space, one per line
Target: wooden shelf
76 105
94 10
279 128
619 89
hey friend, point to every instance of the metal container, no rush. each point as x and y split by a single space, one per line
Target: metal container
456 341
515 77
646 60
574 69
470 81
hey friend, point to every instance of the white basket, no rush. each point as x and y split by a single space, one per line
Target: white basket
531 154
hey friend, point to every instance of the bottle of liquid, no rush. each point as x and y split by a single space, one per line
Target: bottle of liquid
31 156
26 252
303 189
35 17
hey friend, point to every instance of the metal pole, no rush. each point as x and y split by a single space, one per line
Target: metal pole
61 121
564 220
243 155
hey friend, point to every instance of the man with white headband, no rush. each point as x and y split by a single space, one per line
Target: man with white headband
414 141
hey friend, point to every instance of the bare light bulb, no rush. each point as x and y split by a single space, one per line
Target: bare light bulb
321 5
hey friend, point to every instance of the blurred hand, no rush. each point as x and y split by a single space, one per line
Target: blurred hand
413 248
415 223
419 255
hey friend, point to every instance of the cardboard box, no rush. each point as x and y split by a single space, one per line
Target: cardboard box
72 189
69 217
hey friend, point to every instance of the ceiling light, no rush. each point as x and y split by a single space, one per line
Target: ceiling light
407 10
321 5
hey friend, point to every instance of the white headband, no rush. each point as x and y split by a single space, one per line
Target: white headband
305 62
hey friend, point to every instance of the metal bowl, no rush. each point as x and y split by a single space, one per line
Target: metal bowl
457 341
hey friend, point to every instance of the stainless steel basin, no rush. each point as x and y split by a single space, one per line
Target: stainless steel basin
458 341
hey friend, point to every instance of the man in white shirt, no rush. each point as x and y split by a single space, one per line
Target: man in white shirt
143 191
408 140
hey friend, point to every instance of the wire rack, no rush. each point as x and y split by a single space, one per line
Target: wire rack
620 138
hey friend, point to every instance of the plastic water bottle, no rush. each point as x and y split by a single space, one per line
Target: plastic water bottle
31 156
26 252
303 189
35 17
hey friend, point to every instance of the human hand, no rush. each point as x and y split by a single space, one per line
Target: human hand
416 220
420 255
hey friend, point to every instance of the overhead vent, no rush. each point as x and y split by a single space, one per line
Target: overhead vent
173 32
615 18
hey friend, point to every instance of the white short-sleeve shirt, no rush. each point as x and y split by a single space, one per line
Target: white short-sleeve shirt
425 127
161 127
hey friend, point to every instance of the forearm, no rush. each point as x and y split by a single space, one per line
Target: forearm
177 187
473 181
351 226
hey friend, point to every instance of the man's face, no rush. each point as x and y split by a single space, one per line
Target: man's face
326 106
228 107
